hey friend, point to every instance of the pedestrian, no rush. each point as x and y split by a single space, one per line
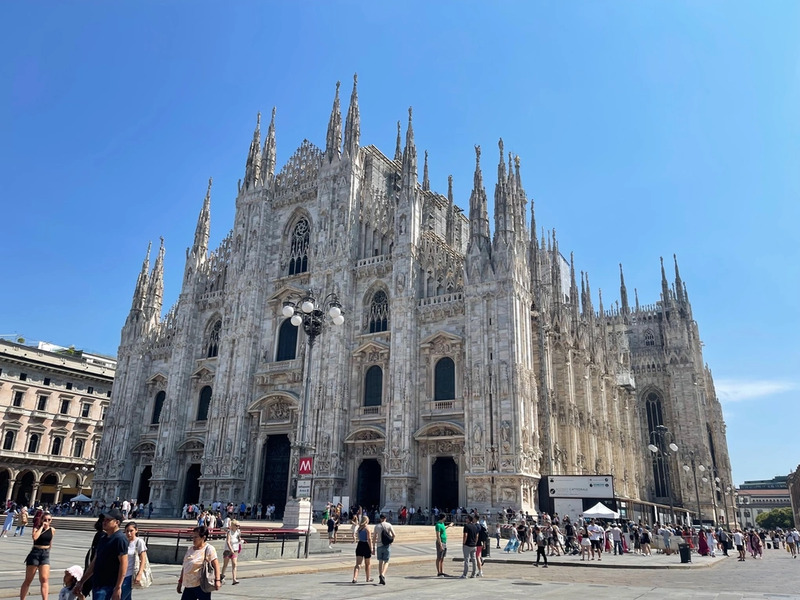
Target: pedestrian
110 562
331 525
38 558
137 560
616 536
541 545
441 544
645 541
596 535
21 521
738 541
191 575
363 548
383 537
71 577
150 510
11 514
586 543
233 546
468 543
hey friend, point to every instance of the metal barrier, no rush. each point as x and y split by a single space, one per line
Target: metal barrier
258 537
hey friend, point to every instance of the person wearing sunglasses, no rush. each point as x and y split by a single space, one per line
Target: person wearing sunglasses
38 558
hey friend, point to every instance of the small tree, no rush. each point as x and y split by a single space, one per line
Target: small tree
777 517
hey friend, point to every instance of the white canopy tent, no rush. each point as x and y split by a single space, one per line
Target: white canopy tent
600 511
80 498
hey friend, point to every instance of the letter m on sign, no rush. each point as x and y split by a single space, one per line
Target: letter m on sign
305 466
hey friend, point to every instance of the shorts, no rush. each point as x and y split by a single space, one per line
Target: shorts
331 534
38 557
740 547
229 554
382 552
363 550
441 551
596 544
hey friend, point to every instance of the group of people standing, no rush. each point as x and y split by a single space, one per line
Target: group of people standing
16 518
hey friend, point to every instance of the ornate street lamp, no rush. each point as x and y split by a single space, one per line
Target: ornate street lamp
312 315
694 470
662 444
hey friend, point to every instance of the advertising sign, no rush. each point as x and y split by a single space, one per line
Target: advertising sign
580 486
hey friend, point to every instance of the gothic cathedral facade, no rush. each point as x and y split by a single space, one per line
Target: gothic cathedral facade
471 362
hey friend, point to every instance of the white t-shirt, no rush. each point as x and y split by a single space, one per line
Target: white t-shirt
135 548
378 531
737 538
595 532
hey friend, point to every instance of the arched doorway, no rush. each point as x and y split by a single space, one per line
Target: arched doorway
275 478
368 486
5 481
444 483
23 490
191 489
143 496
48 489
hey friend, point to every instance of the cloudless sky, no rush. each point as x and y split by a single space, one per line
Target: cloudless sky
644 129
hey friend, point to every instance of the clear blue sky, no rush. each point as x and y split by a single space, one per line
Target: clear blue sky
644 128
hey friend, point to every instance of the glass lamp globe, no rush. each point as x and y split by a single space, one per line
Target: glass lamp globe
686 468
288 310
296 320
307 306
674 447
701 468
334 311
653 447
338 319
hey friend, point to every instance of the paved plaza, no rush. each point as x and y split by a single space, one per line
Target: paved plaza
412 575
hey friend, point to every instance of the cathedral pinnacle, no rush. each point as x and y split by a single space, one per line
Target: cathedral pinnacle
679 288
268 155
478 209
398 149
409 170
666 293
426 182
141 282
333 139
155 287
352 126
623 291
203 229
252 170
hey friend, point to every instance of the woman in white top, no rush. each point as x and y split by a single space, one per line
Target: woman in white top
192 572
136 547
233 545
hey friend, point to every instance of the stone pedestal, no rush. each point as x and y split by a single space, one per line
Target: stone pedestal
297 515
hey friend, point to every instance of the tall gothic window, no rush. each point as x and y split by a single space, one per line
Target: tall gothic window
379 312
655 417
158 405
203 403
373 386
444 379
8 441
212 346
649 338
33 443
287 341
298 250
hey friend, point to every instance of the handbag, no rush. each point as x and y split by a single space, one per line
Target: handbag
147 575
208 576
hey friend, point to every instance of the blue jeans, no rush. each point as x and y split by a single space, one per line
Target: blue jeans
127 588
102 593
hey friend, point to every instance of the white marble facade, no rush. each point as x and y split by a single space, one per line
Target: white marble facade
470 364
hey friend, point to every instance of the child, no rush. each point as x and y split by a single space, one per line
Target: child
71 577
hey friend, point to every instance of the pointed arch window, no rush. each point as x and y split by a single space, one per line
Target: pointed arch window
379 312
8 440
373 386
57 443
33 443
649 338
298 248
204 403
287 341
212 346
655 417
158 405
444 379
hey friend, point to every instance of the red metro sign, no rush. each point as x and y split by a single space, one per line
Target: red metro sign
306 466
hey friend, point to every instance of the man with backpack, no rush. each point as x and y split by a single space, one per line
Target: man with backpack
383 536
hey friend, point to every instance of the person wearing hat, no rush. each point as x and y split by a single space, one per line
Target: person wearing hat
71 578
110 562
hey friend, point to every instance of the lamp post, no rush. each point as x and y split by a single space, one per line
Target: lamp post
694 468
661 448
311 314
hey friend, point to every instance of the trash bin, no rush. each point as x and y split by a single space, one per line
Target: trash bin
685 552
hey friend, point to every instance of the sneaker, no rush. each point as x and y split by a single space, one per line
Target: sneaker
544 566
463 577
472 576
480 574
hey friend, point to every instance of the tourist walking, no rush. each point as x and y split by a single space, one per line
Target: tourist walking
137 560
20 521
11 514
38 558
191 577
110 563
383 536
469 541
541 546
645 541
233 546
738 541
596 535
364 548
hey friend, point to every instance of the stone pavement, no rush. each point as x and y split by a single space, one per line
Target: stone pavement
411 575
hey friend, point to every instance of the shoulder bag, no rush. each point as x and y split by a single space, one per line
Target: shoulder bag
147 575
208 576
